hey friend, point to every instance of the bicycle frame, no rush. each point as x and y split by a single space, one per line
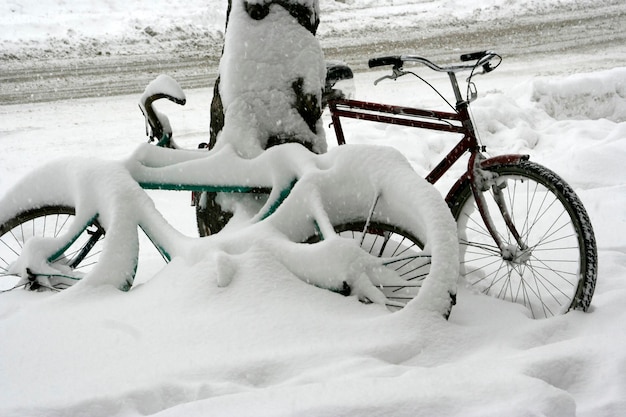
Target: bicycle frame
459 122
305 201
267 211
412 117
162 168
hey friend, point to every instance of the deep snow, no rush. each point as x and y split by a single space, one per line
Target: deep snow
269 344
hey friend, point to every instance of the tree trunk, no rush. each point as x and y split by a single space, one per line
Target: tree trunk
273 68
307 103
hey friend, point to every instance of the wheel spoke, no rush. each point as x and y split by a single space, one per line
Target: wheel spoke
399 251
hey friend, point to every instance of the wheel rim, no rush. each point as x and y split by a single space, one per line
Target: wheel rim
545 276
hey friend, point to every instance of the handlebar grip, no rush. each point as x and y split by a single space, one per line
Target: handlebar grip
473 56
396 61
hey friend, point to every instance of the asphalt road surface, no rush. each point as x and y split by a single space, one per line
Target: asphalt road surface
591 37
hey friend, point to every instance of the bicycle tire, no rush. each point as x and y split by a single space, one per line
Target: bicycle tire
382 239
49 221
554 222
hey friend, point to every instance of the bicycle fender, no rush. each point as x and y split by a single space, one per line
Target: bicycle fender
511 159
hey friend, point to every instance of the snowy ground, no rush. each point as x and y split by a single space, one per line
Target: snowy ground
271 345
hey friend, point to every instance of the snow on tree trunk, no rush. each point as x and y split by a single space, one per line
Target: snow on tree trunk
271 77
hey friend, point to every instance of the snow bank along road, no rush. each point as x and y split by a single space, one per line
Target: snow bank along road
48 74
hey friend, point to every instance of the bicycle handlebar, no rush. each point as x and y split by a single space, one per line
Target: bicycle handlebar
396 61
482 58
473 56
157 124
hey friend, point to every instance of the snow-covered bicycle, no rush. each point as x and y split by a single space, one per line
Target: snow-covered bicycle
525 236
357 220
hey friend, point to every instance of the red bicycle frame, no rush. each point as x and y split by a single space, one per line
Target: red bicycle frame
458 122
412 117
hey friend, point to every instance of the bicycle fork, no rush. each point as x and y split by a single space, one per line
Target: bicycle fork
481 181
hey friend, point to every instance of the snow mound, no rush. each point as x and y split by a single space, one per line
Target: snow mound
601 95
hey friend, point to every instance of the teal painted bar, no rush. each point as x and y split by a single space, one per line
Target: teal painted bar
283 195
204 188
61 251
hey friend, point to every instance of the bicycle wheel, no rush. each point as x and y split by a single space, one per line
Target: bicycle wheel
556 271
405 254
48 221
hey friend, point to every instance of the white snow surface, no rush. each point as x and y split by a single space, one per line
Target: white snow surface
267 344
